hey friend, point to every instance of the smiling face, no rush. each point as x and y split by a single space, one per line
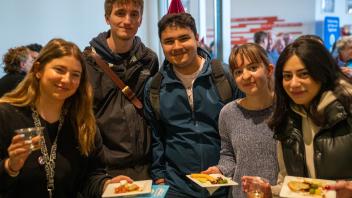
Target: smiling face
298 83
180 47
252 78
124 20
60 78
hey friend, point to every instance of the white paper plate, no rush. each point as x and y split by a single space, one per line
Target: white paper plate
145 185
211 188
208 184
286 192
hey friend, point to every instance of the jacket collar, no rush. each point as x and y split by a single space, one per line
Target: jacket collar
100 45
328 105
327 98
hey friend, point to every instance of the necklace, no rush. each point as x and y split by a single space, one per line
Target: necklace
46 159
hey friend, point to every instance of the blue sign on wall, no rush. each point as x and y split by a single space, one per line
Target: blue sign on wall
331 31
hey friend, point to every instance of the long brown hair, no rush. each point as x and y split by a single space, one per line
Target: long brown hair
79 105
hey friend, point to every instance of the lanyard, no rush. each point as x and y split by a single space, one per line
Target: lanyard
49 160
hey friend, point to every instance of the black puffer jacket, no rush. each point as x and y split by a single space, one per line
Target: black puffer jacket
332 144
125 133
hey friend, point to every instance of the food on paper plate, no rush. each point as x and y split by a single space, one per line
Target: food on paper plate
220 180
308 187
125 187
298 186
204 178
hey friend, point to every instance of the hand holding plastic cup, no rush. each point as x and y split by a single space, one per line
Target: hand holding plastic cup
255 190
30 133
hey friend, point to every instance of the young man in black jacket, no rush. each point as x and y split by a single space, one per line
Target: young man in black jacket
126 136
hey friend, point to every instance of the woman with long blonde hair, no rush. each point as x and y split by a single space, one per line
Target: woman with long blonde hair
55 95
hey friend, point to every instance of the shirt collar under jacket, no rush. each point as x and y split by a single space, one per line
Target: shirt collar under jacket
166 68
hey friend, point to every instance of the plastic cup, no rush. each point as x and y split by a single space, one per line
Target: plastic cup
29 134
256 188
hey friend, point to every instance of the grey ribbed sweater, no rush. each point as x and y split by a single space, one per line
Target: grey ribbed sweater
247 145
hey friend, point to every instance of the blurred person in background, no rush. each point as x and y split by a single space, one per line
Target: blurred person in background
287 37
262 38
34 49
281 41
343 53
17 62
344 49
266 41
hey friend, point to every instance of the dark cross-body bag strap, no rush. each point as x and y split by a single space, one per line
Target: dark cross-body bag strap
126 90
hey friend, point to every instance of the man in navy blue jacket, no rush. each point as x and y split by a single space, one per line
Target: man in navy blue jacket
185 135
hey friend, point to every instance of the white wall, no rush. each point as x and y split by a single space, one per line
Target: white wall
25 22
37 21
149 28
28 21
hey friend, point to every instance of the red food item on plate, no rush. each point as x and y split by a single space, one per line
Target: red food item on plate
127 188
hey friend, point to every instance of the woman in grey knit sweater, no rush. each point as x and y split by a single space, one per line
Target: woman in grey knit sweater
247 144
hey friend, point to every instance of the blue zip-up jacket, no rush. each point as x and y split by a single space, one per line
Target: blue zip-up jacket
185 141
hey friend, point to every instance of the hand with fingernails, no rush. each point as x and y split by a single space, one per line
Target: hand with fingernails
117 179
343 188
212 170
18 152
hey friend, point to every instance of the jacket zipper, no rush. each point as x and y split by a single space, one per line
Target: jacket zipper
299 136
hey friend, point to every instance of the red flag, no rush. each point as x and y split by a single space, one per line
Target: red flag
176 7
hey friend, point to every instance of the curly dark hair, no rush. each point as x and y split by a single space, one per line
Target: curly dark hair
34 47
13 58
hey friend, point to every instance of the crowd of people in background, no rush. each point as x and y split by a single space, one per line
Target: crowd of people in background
281 107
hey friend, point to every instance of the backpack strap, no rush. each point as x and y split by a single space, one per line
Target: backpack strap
221 82
218 75
154 94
